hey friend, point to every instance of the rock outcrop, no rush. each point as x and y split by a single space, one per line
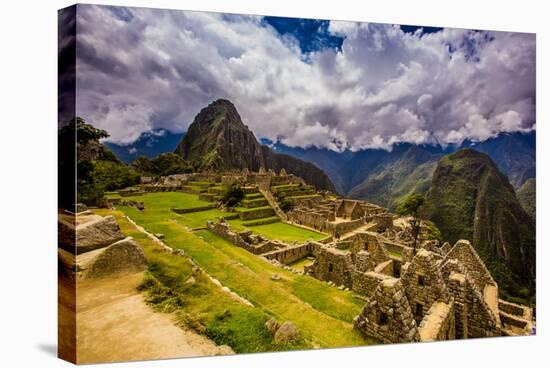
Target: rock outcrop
287 332
92 246
217 139
97 232
124 256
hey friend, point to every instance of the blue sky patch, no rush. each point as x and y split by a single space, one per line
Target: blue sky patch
311 34
412 29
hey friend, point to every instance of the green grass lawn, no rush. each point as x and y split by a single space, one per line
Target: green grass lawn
280 231
195 220
300 264
394 254
112 195
322 313
244 209
166 200
156 204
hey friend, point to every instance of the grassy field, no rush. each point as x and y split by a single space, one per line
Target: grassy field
281 231
322 313
299 265
196 220
395 254
156 204
201 306
166 200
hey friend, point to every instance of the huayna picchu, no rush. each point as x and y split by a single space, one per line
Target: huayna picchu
218 140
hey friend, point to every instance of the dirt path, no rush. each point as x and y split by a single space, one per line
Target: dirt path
115 324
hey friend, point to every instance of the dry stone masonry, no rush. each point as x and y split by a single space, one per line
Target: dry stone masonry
436 292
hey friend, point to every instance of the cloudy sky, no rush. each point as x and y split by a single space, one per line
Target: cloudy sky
330 84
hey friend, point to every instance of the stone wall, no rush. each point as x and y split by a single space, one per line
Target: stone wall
253 243
162 188
406 252
521 311
363 261
192 209
349 209
468 257
340 228
309 201
387 315
480 320
383 222
308 217
369 242
256 213
423 283
385 268
439 323
292 254
457 287
364 283
332 265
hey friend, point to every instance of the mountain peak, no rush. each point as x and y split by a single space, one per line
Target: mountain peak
217 139
469 198
469 153
222 102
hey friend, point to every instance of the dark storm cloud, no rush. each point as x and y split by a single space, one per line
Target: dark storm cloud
143 69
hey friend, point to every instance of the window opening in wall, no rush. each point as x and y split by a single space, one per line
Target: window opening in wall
421 281
419 312
382 319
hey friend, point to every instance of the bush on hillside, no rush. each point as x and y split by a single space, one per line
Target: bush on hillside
163 165
232 195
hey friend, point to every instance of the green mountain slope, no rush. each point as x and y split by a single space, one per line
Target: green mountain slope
469 198
527 196
409 172
218 140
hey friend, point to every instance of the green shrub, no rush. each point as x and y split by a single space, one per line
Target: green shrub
232 195
286 205
165 164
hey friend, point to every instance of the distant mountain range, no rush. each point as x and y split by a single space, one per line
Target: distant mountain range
469 187
379 176
149 144
384 177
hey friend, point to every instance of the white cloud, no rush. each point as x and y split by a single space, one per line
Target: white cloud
160 68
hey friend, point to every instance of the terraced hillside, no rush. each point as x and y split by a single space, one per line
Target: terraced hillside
322 313
294 193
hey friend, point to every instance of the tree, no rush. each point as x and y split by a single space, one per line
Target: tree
410 207
97 168
232 195
169 163
163 165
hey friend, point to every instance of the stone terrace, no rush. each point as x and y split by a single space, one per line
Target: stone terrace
439 292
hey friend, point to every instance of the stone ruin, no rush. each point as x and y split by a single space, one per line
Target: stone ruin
449 293
92 246
340 216
182 182
438 292
254 243
387 316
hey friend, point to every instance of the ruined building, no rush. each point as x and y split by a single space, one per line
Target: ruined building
438 292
